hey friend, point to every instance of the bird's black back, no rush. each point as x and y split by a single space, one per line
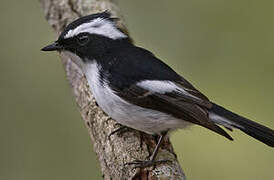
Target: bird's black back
128 65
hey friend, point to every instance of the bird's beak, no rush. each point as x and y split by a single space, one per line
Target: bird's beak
53 47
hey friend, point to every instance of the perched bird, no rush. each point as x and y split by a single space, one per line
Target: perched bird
140 91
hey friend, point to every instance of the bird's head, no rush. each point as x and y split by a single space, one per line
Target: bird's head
90 36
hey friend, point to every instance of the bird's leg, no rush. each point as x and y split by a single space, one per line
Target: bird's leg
122 129
151 161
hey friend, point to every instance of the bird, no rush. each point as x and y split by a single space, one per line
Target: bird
138 90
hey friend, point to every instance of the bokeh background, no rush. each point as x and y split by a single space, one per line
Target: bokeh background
225 48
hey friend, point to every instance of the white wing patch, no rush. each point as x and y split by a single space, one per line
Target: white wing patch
97 26
163 87
158 86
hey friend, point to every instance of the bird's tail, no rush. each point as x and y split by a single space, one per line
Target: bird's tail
230 120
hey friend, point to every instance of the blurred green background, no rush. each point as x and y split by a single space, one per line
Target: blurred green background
225 48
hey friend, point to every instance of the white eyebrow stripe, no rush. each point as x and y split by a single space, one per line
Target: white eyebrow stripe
103 27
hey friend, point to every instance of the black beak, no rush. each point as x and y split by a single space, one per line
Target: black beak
53 47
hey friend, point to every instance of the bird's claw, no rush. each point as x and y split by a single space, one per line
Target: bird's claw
146 163
120 131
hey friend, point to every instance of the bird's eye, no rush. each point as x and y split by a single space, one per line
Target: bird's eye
83 40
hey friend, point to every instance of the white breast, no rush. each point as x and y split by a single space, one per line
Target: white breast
125 113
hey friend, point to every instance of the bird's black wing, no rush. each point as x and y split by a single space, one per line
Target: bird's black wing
132 66
180 104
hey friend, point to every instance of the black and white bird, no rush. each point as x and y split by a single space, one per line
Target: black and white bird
140 91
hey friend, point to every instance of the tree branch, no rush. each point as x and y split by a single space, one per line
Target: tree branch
112 152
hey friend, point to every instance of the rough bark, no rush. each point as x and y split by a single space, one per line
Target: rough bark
112 153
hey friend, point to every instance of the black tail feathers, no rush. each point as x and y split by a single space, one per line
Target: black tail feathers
230 120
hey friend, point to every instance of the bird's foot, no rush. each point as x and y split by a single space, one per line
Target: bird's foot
146 163
119 131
